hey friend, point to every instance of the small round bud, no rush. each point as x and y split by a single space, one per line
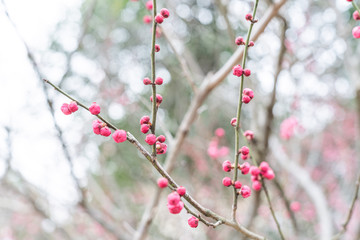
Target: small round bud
254 170
157 48
165 13
147 81
245 191
356 15
173 198
246 99
264 167
251 44
248 17
159 99
249 135
245 168
239 41
159 81
159 19
193 222
247 72
248 92
144 120
181 190
256 185
226 166
147 19
73 107
96 126
150 139
227 182
161 138
65 109
119 136
269 174
356 32
149 5
244 150
161 148
233 122
94 108
162 182
244 156
144 128
175 209
237 184
105 131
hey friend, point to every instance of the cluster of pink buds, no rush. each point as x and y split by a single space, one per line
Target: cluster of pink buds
248 94
100 128
175 205
240 41
145 124
244 190
70 108
158 80
263 170
164 13
239 71
151 139
244 151
356 17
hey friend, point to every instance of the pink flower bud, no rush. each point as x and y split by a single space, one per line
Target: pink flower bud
256 185
144 120
356 32
227 181
173 198
147 19
245 168
96 126
73 107
251 44
269 174
149 5
94 109
65 109
237 184
247 72
165 13
162 182
244 157
181 190
193 222
150 139
161 138
175 209
248 92
220 132
226 166
159 19
254 170
237 71
244 150
248 17
249 135
356 15
105 131
147 81
144 128
159 81
119 136
161 148
159 99
239 41
157 48
295 206
233 122
246 99
245 191
264 167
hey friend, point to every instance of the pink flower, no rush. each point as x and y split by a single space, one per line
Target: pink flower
144 128
147 81
237 70
245 168
165 13
248 92
94 109
237 184
157 49
227 181
145 120
181 190
256 185
248 17
175 209
356 32
193 222
161 148
226 166
264 167
269 174
287 128
244 150
356 15
162 182
245 191
150 139
247 72
73 107
119 136
161 138
159 19
149 5
233 122
97 125
173 198
105 131
246 99
239 41
159 80
65 109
